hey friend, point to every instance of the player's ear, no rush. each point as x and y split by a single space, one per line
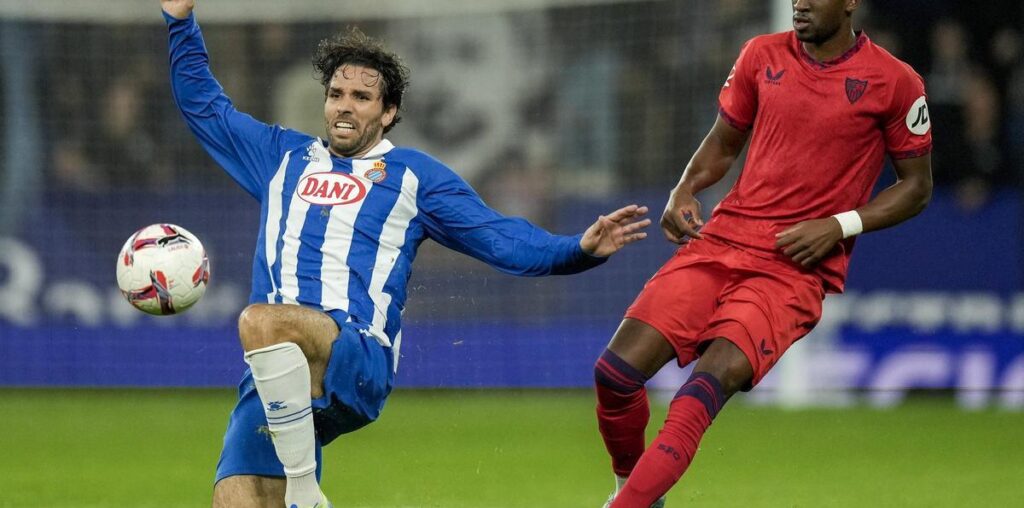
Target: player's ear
389 115
852 5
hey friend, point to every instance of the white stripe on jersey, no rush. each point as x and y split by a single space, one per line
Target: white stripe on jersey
320 163
395 349
273 226
334 272
392 238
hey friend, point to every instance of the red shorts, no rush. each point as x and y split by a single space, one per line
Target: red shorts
711 289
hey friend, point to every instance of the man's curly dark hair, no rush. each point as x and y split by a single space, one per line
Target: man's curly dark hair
356 48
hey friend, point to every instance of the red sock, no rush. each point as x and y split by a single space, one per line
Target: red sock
622 410
664 462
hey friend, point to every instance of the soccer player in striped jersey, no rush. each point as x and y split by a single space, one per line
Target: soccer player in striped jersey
822 106
341 218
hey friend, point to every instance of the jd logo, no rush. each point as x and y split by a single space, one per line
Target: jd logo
922 116
918 121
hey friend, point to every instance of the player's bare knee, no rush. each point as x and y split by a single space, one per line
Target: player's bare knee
259 327
250 331
727 363
641 346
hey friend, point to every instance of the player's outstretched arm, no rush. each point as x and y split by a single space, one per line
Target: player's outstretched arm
614 231
809 241
711 161
178 8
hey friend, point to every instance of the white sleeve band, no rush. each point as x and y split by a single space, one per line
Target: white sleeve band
850 222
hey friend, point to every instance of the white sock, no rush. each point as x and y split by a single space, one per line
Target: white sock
281 373
619 482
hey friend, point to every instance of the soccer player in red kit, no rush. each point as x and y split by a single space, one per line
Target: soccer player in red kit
824 106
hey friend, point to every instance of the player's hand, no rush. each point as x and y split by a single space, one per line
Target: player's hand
681 220
178 8
614 231
809 241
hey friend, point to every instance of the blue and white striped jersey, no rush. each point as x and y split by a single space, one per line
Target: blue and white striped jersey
340 234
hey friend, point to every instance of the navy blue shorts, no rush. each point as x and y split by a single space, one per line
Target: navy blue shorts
358 380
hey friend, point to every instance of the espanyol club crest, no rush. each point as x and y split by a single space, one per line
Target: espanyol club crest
377 173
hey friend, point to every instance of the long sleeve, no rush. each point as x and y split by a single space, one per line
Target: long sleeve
456 217
249 150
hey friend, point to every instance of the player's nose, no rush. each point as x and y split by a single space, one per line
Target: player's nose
344 104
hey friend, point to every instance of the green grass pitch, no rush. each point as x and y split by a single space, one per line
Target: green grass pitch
498 448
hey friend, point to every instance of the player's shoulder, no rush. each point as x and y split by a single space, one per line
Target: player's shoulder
770 42
292 140
773 39
426 167
415 159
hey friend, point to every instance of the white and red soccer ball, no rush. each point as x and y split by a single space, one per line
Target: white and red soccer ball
162 269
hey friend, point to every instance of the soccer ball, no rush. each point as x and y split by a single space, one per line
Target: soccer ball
162 269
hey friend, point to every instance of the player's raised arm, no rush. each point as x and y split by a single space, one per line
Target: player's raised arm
249 150
179 9
712 160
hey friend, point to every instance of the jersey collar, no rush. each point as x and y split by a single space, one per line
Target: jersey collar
862 39
378 150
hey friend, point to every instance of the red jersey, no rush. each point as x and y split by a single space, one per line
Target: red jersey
821 133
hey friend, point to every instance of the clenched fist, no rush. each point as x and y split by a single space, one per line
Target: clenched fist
178 8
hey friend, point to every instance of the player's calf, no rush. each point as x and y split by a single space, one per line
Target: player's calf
248 491
622 411
287 348
691 412
722 370
281 374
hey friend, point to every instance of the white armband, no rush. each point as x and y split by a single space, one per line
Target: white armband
850 222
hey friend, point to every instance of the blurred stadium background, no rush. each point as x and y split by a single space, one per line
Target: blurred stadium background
555 110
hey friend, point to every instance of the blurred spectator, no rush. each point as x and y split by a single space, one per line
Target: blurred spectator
125 145
585 100
961 101
981 108
1015 121
73 169
1008 58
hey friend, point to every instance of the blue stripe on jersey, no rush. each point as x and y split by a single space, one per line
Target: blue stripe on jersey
363 255
311 254
293 172
306 261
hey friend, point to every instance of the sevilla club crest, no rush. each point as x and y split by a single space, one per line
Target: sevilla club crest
855 89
